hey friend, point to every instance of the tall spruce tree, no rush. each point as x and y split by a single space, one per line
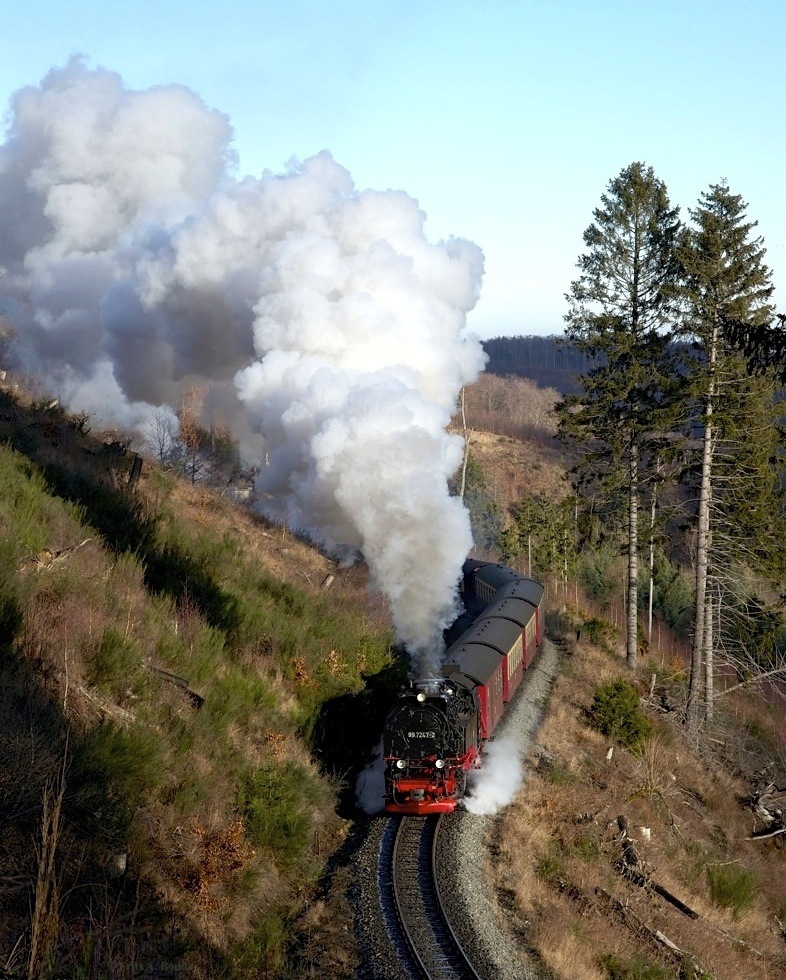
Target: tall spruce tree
725 280
618 308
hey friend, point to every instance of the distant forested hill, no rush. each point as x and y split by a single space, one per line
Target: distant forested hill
551 362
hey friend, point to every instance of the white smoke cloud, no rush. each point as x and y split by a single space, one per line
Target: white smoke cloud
94 179
494 786
135 265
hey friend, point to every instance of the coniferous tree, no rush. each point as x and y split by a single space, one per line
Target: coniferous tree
619 307
725 278
543 538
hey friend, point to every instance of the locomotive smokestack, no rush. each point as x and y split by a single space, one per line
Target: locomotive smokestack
133 265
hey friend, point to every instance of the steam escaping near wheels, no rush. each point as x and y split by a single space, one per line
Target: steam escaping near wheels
370 784
329 332
495 784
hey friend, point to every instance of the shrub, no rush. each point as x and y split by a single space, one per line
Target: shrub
615 712
240 696
115 771
636 968
560 622
654 776
731 887
276 803
599 631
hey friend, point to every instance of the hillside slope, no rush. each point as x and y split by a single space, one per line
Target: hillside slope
643 861
171 669
686 812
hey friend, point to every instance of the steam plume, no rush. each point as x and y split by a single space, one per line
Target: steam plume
134 265
494 786
370 784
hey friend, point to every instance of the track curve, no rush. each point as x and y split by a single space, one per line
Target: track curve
415 915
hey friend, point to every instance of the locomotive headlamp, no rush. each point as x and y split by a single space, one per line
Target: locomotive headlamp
440 763
400 764
421 696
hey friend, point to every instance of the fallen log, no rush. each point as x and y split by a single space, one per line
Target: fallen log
627 866
46 558
768 833
646 882
106 708
196 699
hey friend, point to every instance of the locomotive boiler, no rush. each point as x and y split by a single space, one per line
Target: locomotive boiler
435 732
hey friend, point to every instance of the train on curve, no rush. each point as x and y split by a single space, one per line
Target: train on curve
435 732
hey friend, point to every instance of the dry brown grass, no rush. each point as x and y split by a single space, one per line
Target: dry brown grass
559 846
511 426
512 469
566 953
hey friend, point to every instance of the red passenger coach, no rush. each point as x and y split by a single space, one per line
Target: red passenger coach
488 581
524 615
532 592
484 666
484 579
504 636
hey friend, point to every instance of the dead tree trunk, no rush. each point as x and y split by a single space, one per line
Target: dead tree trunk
693 711
632 591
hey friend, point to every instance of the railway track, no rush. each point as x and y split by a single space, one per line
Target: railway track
414 912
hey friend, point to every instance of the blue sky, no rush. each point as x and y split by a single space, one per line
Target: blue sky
506 120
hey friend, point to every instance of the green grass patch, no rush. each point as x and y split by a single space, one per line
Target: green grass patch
277 804
586 847
635 968
550 867
731 886
560 774
39 520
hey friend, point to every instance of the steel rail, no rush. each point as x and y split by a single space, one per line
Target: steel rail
432 943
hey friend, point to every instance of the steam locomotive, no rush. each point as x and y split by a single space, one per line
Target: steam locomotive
434 734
